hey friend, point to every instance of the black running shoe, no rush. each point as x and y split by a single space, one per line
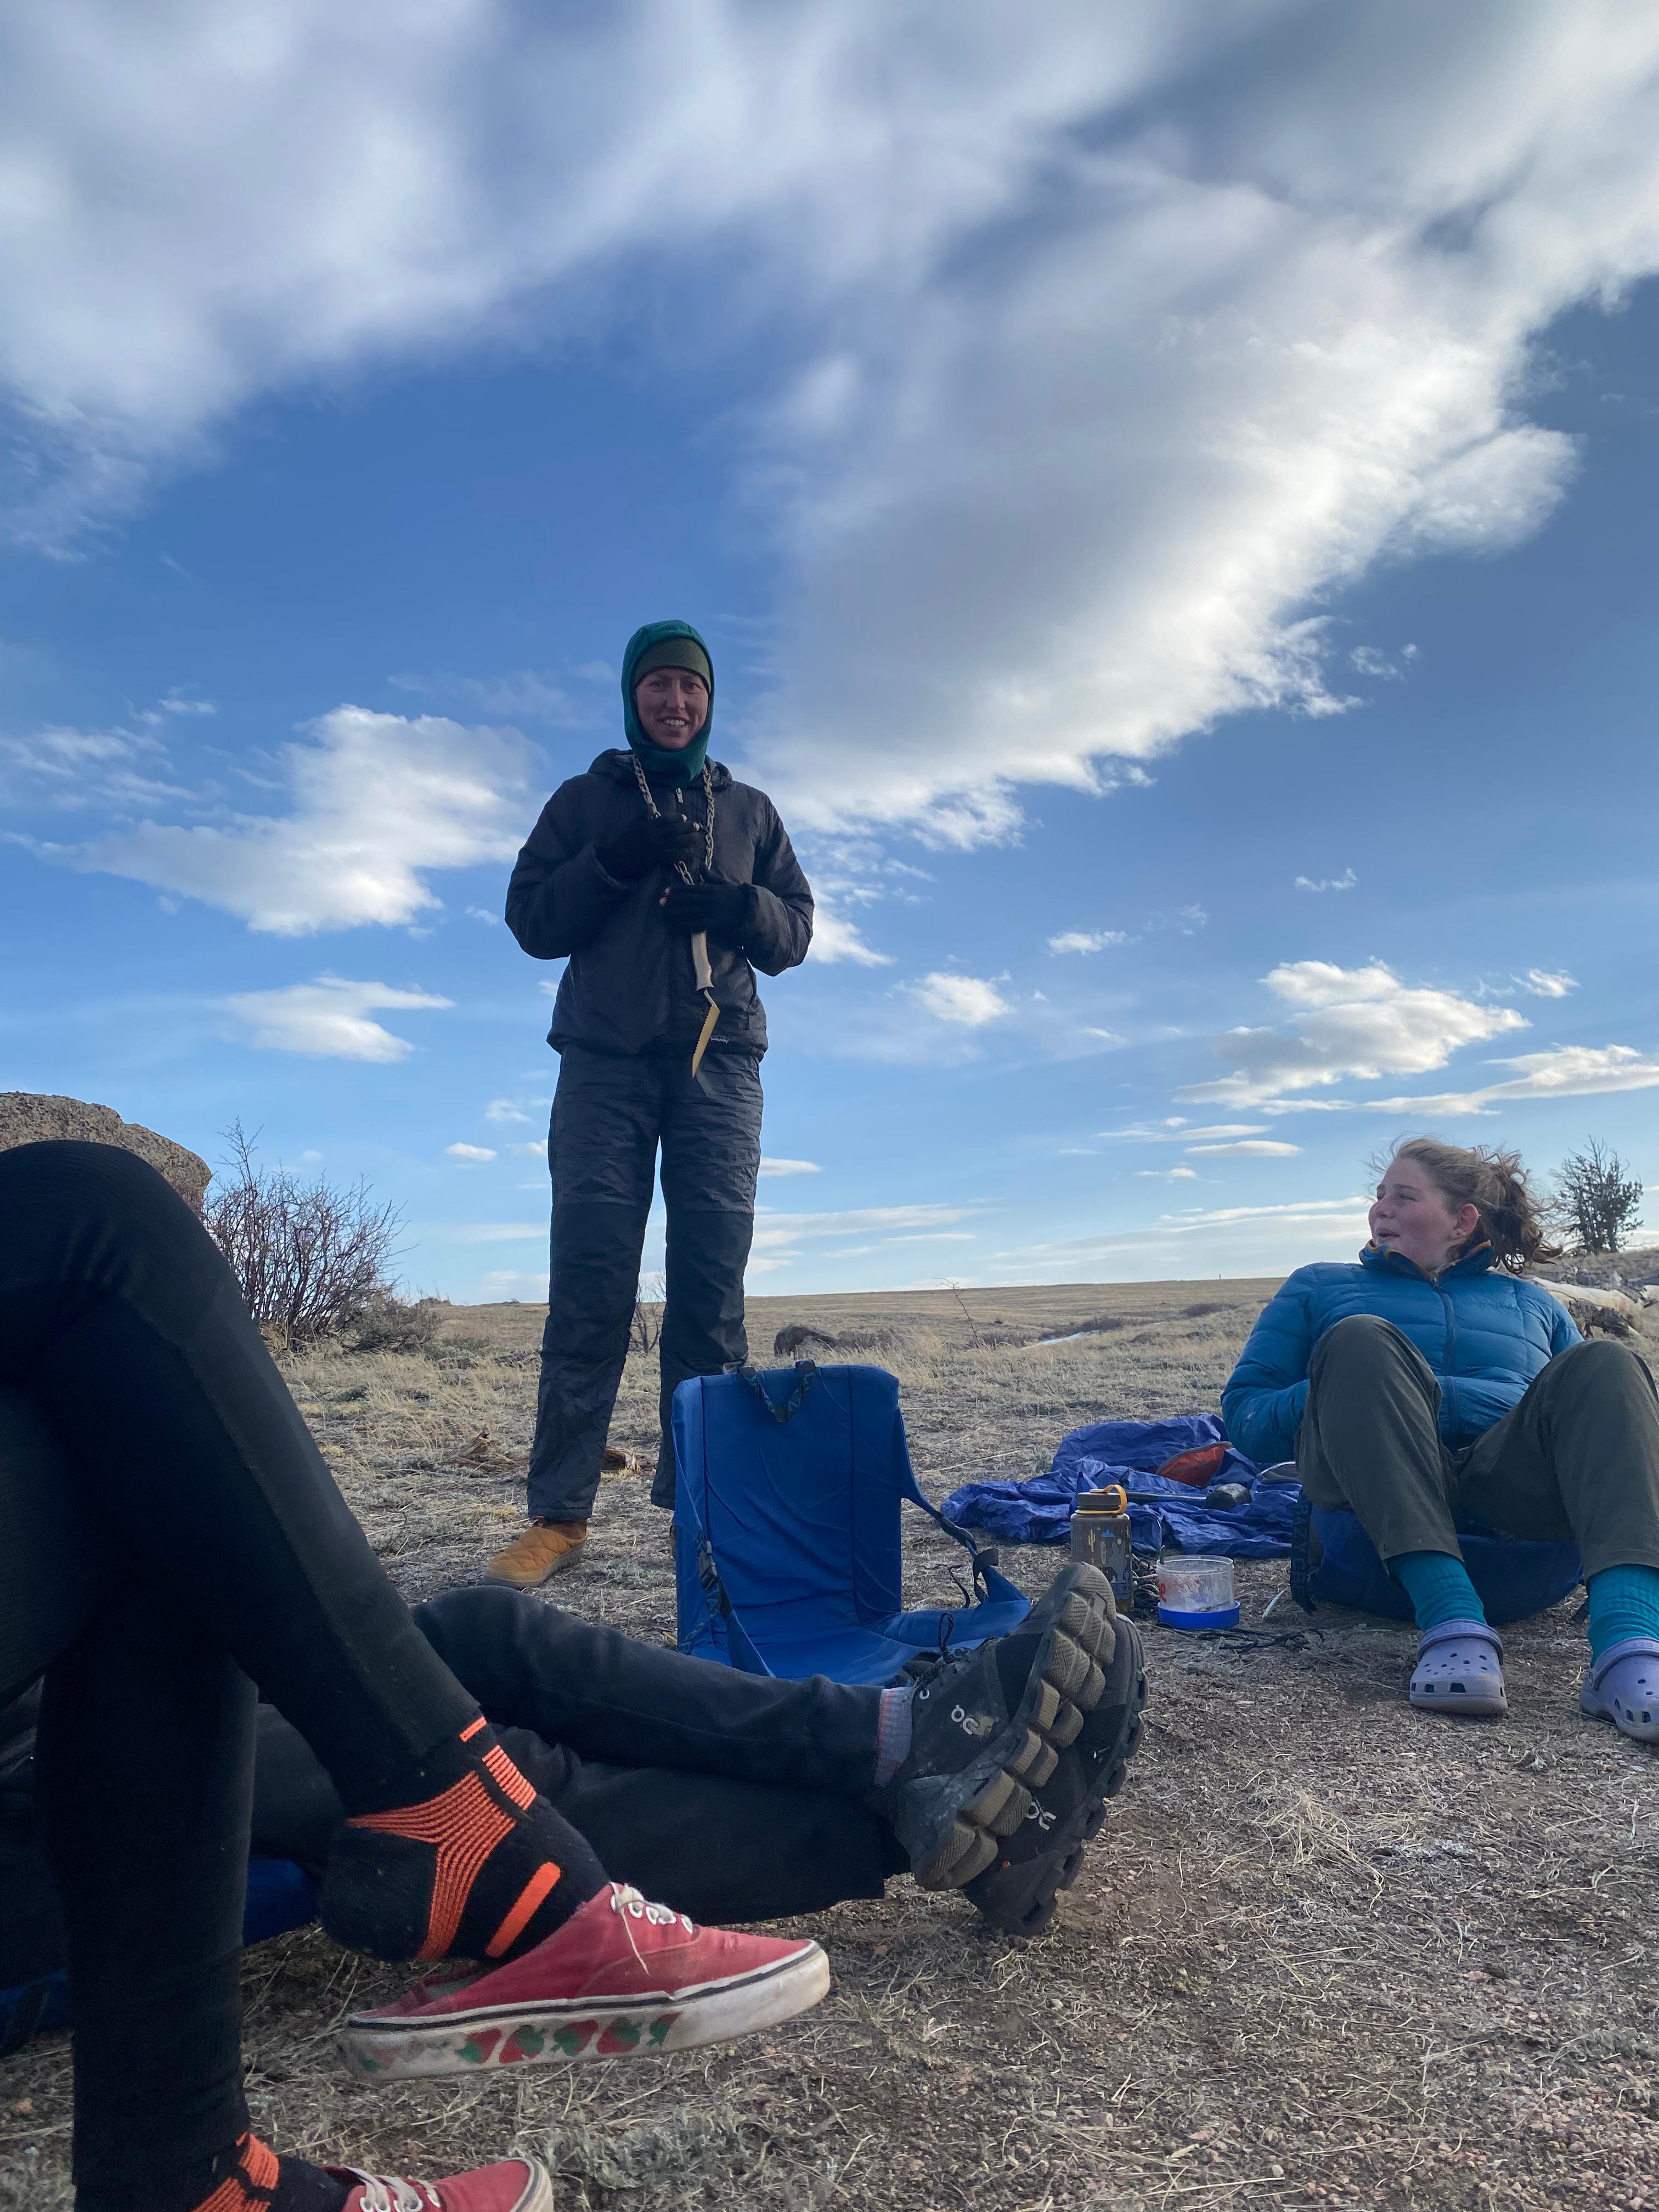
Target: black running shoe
1019 1892
989 1728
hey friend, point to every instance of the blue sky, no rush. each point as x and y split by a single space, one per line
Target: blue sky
1170 490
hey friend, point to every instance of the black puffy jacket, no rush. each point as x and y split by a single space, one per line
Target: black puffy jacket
629 987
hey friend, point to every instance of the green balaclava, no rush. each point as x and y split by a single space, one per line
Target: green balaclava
667 644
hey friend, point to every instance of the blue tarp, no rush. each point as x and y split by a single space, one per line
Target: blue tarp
1164 1515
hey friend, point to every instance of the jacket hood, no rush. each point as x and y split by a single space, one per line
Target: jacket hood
617 764
685 766
1396 1263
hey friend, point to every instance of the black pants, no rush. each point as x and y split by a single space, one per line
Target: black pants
725 1795
1577 1460
610 1115
169 1536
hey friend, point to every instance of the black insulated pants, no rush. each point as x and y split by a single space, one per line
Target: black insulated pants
610 1116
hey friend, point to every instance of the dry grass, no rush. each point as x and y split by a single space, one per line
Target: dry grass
1325 1951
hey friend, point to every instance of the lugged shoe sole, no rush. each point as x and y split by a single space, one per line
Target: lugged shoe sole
1064 1685
1022 1899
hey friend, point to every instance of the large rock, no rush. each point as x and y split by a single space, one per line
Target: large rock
31 1117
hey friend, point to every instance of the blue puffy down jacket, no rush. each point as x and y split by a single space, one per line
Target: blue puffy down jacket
1484 1332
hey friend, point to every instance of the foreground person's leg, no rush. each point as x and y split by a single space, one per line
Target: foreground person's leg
142 1714
124 1324
1579 1456
602 1153
1369 1440
711 1150
611 1697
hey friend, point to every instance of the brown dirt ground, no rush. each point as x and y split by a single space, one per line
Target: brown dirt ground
1324 1952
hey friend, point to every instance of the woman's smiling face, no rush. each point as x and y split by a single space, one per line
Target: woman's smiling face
1411 1215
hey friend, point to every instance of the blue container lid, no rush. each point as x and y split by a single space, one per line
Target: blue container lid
1222 1616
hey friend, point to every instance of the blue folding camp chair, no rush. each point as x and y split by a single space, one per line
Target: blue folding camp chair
787 1545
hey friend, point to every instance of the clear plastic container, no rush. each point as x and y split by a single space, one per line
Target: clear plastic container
1196 1593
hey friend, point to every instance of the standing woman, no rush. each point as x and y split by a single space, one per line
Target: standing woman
1432 1383
666 884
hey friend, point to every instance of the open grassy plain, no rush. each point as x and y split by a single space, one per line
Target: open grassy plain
1324 1952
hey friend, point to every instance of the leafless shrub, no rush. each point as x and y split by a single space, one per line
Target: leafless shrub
311 1260
389 1323
645 1331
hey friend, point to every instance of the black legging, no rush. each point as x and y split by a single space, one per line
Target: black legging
169 1536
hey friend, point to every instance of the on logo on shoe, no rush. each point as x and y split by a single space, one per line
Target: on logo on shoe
972 1723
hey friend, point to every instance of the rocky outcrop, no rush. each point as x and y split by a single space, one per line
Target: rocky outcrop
31 1117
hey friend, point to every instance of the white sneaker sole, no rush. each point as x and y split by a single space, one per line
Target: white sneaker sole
377 2049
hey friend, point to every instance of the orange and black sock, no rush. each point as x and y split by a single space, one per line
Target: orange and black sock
246 2176
466 1861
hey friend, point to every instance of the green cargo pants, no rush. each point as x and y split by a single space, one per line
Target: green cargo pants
1577 1459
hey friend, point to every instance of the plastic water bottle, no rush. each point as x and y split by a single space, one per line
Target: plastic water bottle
1196 1593
1100 1534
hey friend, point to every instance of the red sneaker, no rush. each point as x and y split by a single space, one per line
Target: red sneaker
620 1977
518 2185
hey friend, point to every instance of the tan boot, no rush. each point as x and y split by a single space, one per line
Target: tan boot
544 1548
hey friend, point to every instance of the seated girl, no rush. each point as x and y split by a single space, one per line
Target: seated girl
1432 1383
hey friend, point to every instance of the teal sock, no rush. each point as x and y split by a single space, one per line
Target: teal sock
1623 1601
1439 1587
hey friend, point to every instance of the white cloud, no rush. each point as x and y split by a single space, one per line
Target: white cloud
328 1018
1567 1070
779 1237
376 801
1345 882
1254 1148
1548 982
1267 322
527 695
1167 1174
499 1232
789 1167
1087 940
834 938
469 1151
967 1000
1177 1131
514 1109
1230 1240
1361 1022
1370 662
483 914
57 769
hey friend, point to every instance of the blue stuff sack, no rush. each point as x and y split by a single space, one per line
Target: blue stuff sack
1334 1562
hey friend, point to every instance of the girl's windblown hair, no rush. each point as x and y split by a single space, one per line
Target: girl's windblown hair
1495 1182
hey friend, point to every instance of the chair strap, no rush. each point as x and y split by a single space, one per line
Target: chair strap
982 1569
782 1410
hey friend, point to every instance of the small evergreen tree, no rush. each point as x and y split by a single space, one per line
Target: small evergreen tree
1596 1200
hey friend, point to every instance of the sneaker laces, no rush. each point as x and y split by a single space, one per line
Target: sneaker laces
390 2192
628 1904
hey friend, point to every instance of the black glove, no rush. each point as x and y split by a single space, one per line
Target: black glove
721 909
655 842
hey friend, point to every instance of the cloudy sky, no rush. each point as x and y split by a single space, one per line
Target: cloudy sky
1169 487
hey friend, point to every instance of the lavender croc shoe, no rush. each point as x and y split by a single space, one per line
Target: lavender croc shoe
1460 1669
1623 1687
